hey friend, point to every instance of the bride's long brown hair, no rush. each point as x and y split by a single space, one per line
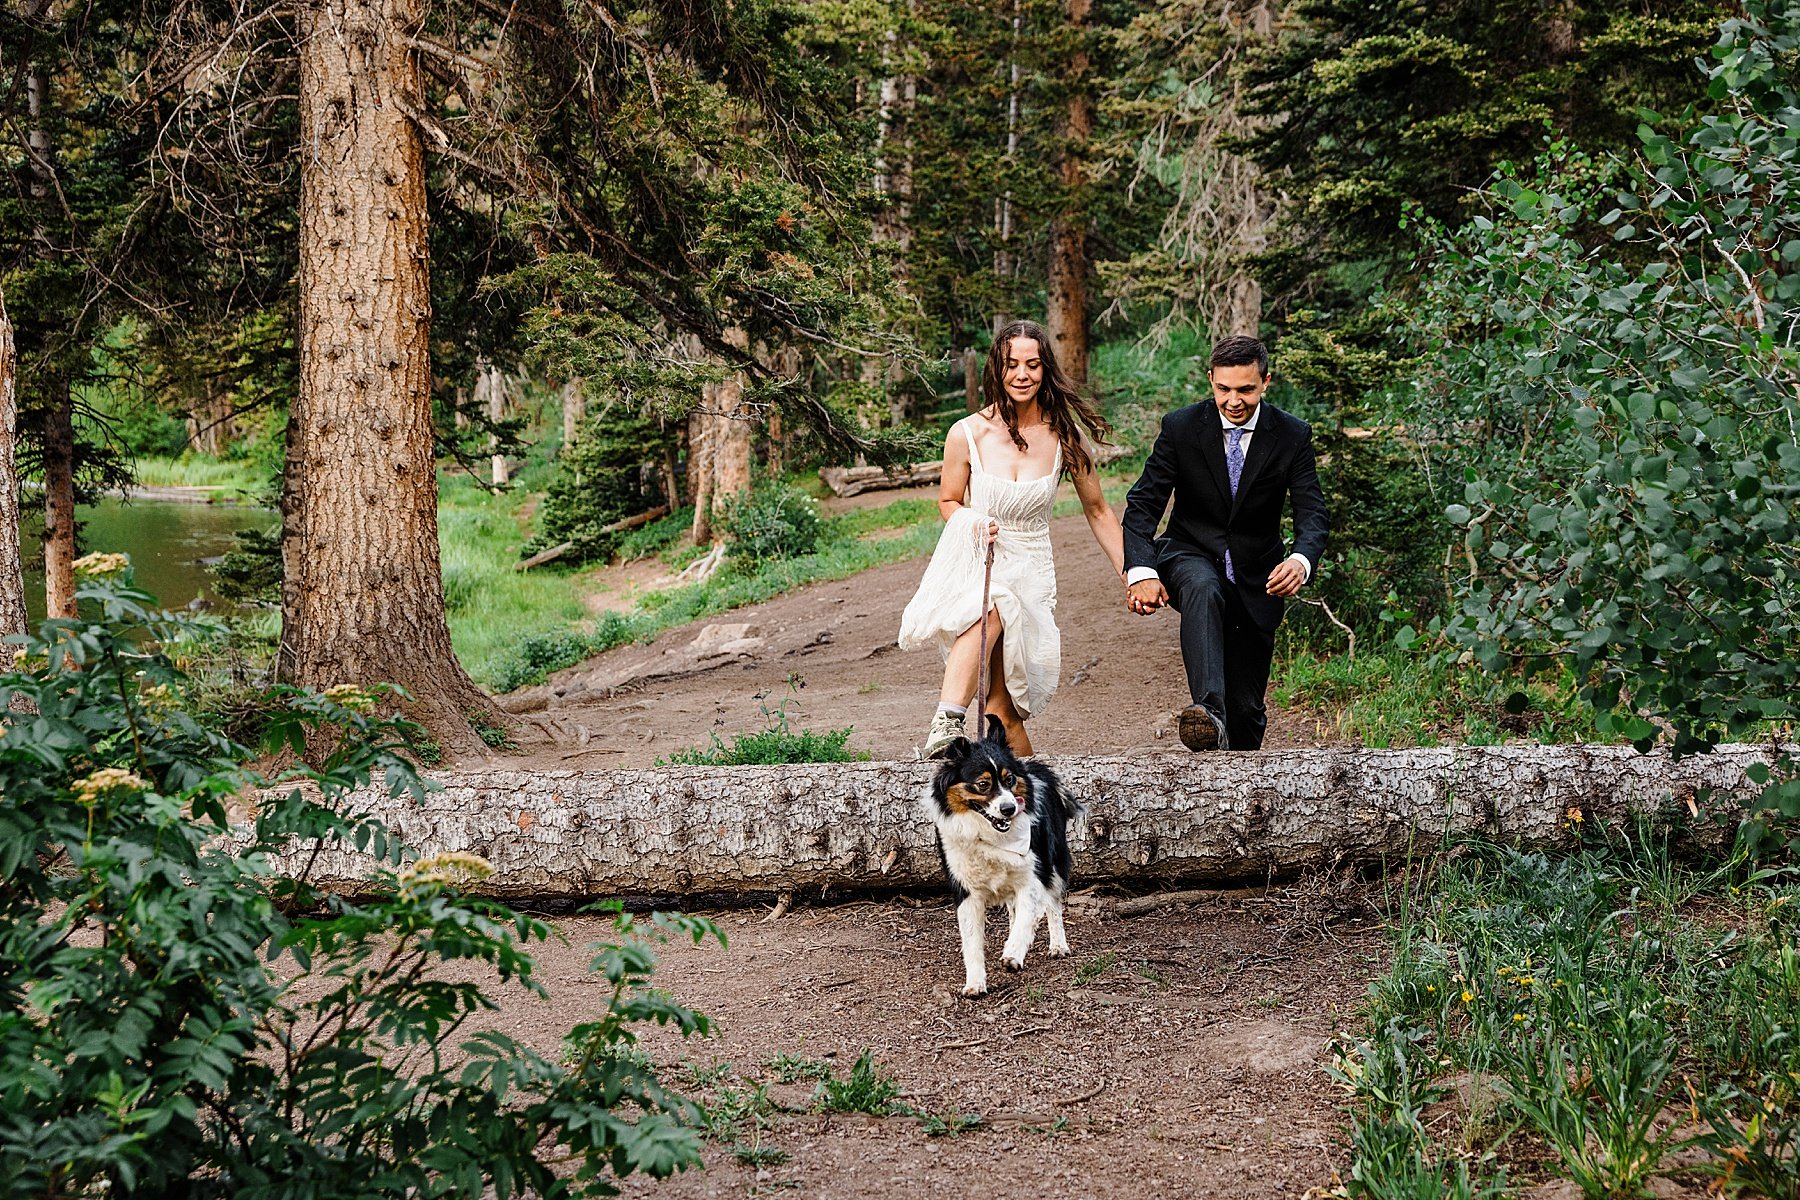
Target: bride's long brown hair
1065 409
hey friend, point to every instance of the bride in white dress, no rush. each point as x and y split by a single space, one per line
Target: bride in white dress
1001 469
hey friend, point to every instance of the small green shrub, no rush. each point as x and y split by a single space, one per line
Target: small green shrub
611 472
774 745
251 573
770 522
867 1089
177 1020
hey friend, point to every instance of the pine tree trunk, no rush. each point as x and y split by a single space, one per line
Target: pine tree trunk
1066 316
12 577
731 437
700 475
493 380
363 601
574 408
971 369
1150 821
59 502
58 418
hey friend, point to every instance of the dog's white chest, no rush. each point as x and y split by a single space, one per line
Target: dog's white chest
985 860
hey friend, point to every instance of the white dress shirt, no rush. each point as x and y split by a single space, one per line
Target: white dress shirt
1137 574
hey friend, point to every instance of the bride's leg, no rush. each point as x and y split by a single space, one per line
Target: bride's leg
965 656
999 703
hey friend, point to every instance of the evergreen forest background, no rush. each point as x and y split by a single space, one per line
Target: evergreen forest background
1527 267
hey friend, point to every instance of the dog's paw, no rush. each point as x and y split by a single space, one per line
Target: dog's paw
1013 964
975 989
1060 950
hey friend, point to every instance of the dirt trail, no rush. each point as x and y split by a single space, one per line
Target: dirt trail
1121 676
1174 1055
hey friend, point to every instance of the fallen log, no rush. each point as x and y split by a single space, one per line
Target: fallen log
1153 820
557 551
849 481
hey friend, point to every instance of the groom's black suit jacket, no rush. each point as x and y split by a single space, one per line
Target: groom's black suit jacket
1189 460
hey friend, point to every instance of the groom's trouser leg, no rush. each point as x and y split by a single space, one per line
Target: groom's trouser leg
1248 653
1196 588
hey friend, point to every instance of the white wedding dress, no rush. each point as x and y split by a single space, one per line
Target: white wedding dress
1024 586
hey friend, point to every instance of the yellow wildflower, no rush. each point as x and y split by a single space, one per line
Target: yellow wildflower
100 564
1524 981
107 779
1468 997
447 866
1574 815
1518 1017
350 696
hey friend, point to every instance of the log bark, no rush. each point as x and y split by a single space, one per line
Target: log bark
12 576
848 481
363 596
1150 821
557 551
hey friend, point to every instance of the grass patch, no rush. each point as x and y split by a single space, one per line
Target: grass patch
868 1088
772 745
518 662
1095 967
197 470
1614 1005
1393 698
489 602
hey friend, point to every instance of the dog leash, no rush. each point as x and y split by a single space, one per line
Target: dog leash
981 671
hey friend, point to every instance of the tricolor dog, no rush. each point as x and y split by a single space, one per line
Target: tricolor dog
1002 827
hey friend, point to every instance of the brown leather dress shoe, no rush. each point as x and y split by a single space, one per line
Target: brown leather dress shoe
1200 730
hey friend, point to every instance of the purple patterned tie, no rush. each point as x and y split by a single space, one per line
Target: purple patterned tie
1234 467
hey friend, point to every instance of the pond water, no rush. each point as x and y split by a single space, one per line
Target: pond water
169 544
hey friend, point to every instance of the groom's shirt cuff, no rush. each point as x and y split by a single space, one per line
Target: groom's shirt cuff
1139 574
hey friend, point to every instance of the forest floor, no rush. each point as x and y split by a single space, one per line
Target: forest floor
1175 1054
829 650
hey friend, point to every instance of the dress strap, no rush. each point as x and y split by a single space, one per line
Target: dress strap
974 454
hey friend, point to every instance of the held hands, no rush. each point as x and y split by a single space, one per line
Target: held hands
1286 579
1146 596
985 532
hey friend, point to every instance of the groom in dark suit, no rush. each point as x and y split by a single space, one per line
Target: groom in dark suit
1231 465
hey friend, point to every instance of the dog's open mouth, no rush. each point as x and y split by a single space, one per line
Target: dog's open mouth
1000 824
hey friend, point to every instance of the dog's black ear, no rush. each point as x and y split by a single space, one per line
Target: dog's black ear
958 750
995 731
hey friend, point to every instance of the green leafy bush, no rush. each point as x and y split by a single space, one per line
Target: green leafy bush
770 522
175 1019
1616 391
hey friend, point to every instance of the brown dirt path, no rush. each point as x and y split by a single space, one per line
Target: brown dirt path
1121 677
1199 1032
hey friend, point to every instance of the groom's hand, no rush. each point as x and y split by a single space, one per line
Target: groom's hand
1146 596
1286 579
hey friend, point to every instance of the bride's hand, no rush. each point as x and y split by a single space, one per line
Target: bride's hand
987 531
